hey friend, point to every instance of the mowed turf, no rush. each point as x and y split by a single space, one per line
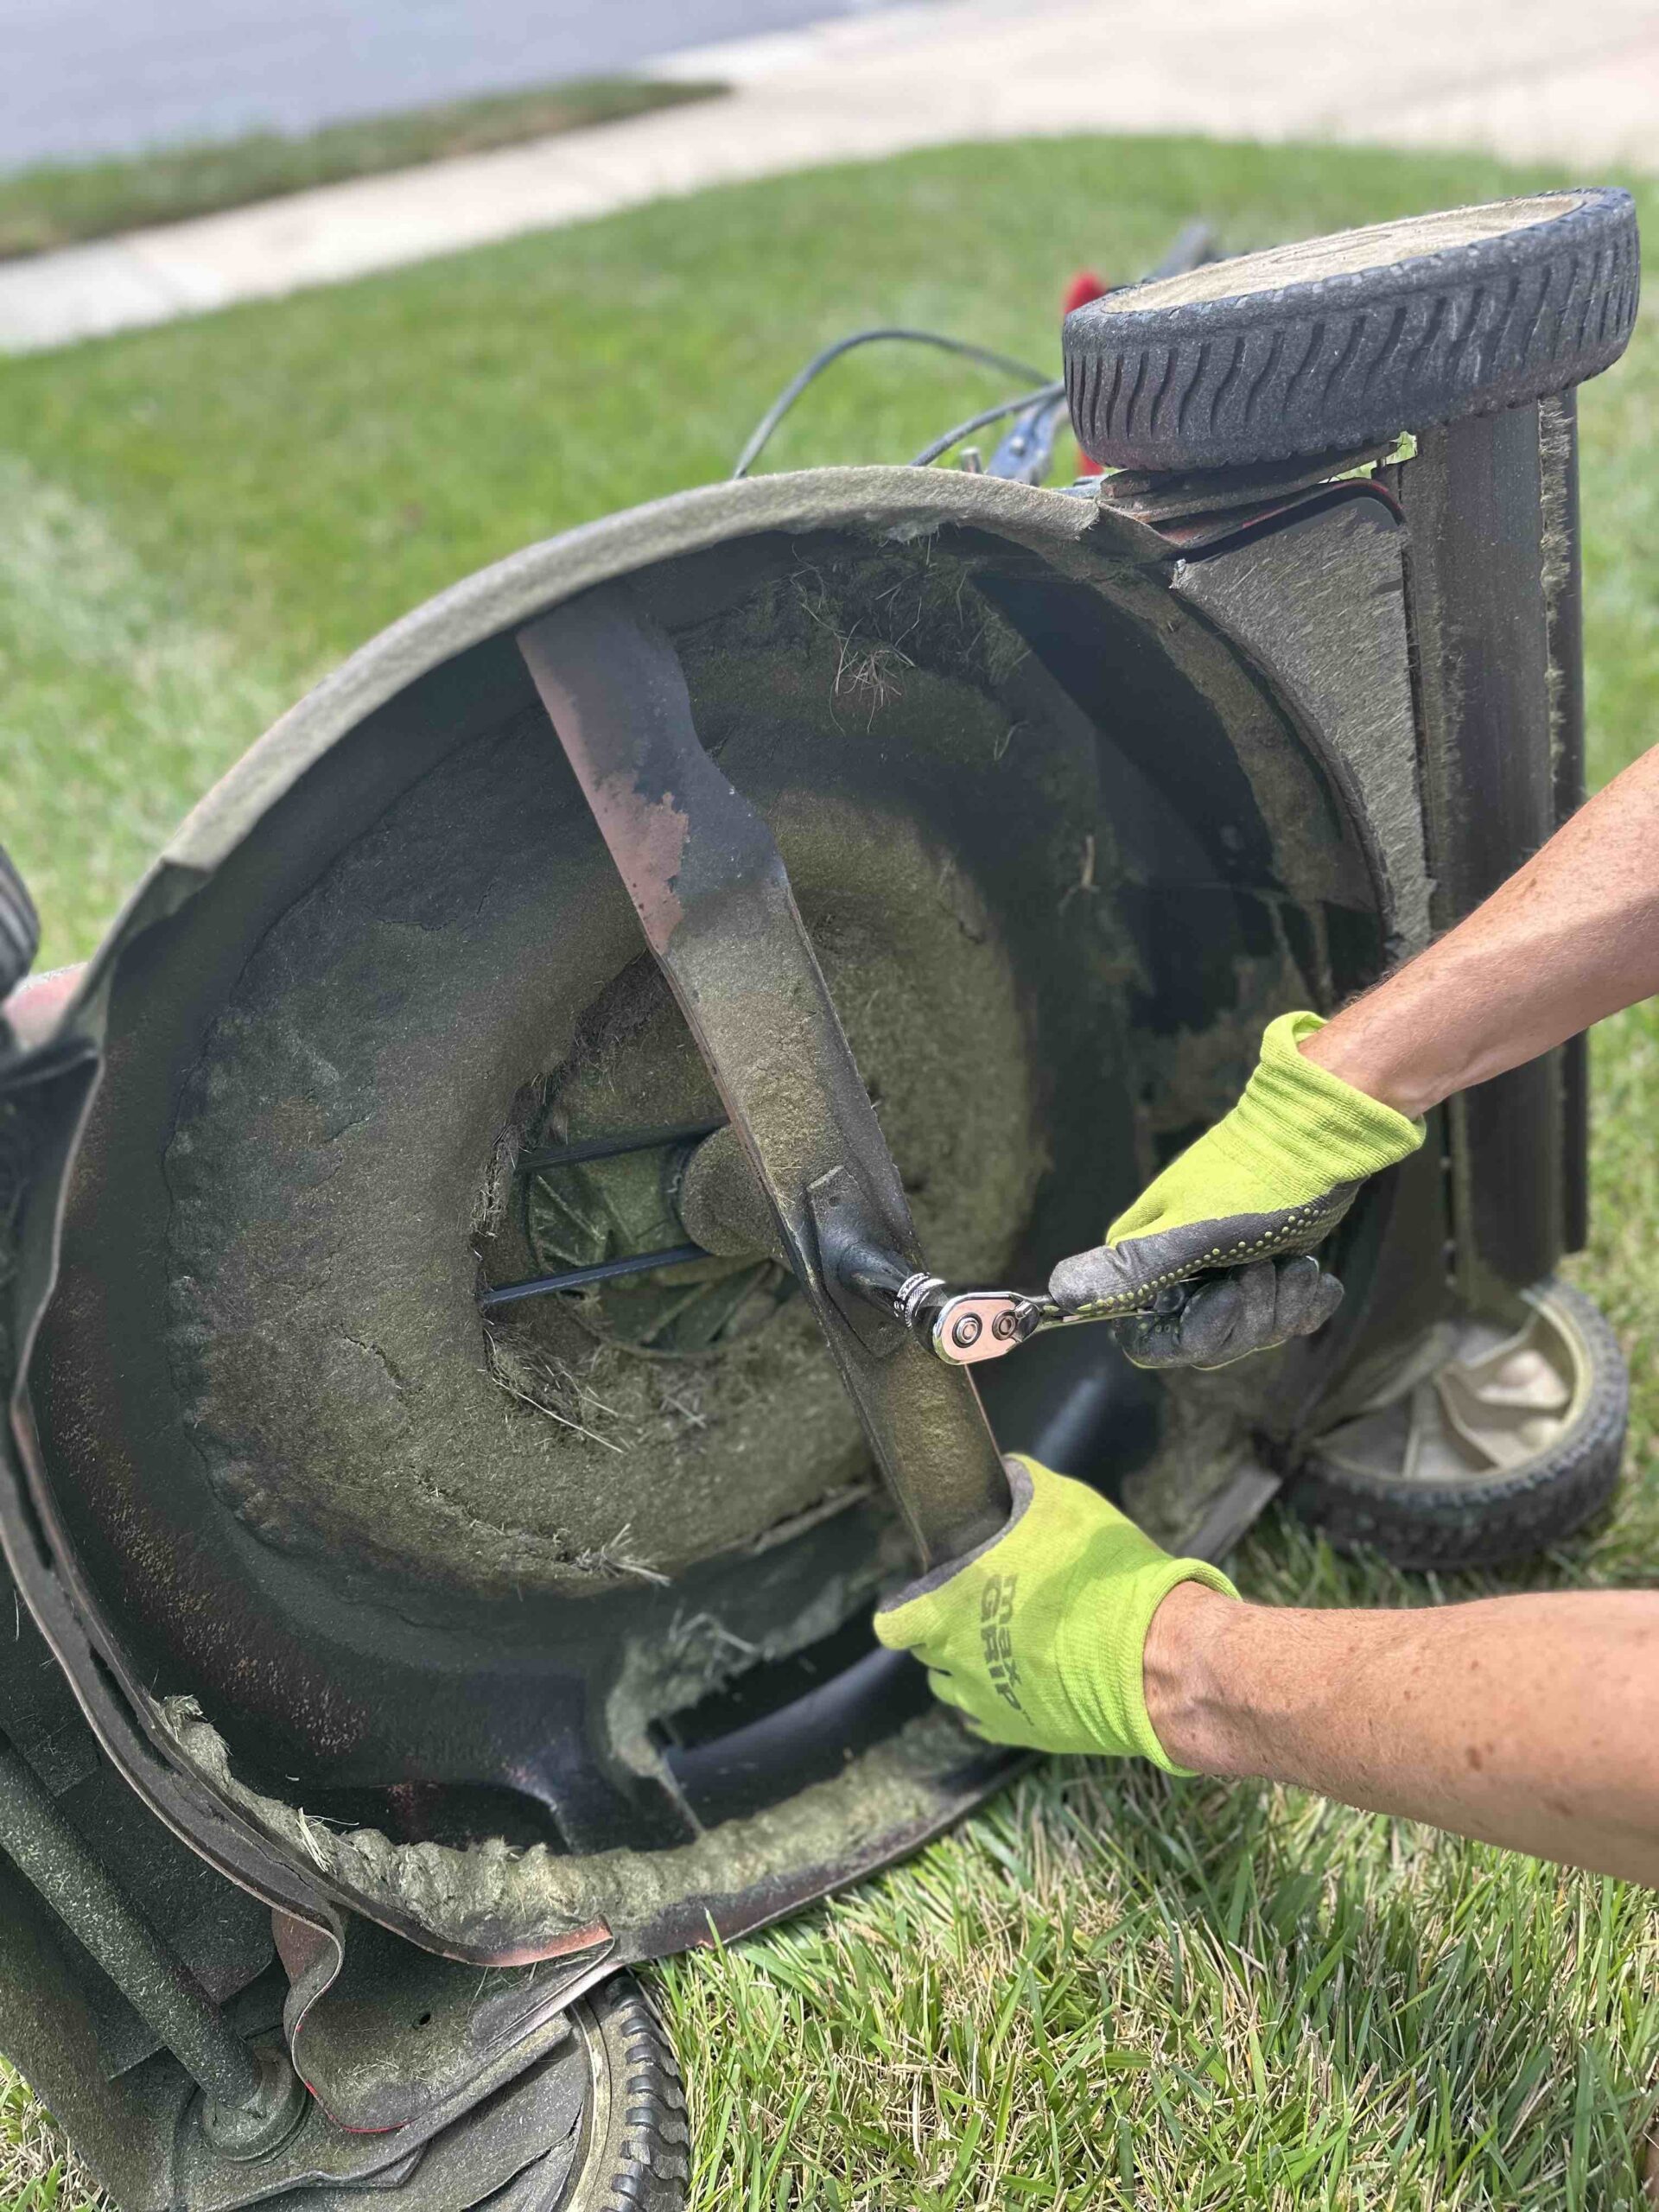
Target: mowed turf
1111 1988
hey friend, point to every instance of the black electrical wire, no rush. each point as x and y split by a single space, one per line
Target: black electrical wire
1048 391
814 368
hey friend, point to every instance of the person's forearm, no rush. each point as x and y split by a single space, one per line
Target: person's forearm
1531 1721
1573 937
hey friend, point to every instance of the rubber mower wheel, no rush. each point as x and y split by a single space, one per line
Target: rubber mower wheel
635 2155
20 928
1508 1444
1332 344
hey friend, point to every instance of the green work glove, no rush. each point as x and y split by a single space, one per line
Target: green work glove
1038 1637
1273 1178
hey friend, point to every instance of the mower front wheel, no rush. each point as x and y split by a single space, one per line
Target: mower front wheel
637 2151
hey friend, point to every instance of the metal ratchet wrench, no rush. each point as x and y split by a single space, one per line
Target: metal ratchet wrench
962 1327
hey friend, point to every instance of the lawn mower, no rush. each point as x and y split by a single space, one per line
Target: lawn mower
535 1216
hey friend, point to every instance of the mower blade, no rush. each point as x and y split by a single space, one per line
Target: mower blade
712 895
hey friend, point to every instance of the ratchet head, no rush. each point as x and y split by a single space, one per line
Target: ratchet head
962 1327
968 1326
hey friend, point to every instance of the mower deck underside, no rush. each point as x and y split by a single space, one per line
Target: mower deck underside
553 1620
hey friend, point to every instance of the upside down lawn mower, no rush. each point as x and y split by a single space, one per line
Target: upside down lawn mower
518 1239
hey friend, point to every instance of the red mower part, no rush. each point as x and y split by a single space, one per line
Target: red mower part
1084 286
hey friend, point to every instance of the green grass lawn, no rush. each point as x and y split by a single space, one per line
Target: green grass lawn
58 203
1110 1989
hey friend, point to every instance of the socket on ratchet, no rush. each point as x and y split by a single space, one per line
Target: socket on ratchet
962 1327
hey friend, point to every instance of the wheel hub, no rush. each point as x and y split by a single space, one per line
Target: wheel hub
1479 1397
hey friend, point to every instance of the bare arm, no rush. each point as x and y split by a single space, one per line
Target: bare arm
1531 1721
1571 937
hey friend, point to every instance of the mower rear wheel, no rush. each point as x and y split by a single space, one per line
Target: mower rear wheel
1507 1443
1332 344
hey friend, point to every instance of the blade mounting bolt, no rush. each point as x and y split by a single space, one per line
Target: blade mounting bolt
966 1331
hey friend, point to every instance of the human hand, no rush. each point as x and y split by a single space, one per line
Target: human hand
1039 1637
1230 1316
1272 1178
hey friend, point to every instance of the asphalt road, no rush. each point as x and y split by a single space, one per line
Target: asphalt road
81 77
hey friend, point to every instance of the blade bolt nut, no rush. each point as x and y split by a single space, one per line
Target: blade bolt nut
966 1332
1004 1326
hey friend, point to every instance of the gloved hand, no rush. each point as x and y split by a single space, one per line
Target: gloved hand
1038 1637
1248 1309
1273 1177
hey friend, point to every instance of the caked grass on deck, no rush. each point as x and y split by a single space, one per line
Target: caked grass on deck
1110 1989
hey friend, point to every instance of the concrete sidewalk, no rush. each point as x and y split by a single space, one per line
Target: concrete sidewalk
1524 78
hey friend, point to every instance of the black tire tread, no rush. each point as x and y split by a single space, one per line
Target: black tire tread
649 2166
1486 1524
1341 361
20 928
